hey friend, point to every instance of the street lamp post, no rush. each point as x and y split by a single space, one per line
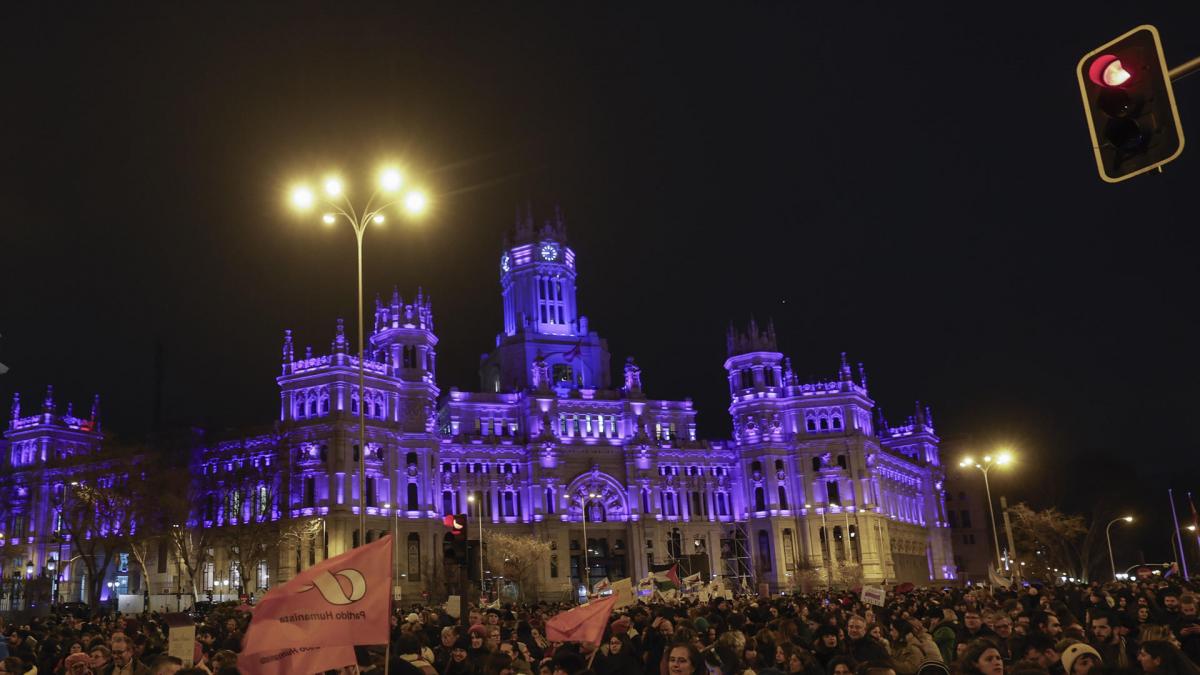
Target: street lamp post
1005 457
587 572
827 564
336 199
395 541
1108 537
479 510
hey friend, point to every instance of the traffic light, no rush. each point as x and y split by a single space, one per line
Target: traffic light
456 527
1130 106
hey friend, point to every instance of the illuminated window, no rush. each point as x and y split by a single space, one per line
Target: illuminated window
262 576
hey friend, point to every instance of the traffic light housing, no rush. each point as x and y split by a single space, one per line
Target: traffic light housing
456 527
1130 106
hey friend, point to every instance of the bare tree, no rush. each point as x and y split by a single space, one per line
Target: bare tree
96 513
1049 539
251 533
519 557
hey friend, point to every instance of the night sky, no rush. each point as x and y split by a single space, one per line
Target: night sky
912 186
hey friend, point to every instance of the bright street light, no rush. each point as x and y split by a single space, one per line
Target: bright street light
339 205
1003 458
333 186
390 179
415 202
302 197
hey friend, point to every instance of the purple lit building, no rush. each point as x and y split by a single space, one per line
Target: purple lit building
813 487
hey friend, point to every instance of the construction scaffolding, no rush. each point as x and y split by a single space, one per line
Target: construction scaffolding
737 564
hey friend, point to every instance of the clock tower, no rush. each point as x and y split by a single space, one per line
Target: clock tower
541 318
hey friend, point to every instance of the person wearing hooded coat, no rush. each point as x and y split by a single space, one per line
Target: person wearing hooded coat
617 657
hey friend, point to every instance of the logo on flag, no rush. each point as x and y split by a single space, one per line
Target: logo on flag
331 589
296 630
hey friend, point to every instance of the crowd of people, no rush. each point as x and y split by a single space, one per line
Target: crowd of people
1121 628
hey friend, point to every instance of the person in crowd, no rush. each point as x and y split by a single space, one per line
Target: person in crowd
684 659
124 659
458 664
861 646
1080 658
911 646
1106 639
981 658
164 664
841 665
101 659
1159 657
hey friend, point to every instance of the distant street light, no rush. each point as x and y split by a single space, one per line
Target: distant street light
1108 536
1003 458
338 202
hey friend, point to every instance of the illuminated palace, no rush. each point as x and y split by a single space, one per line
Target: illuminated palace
813 484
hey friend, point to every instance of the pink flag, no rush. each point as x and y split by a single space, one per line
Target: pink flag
583 624
311 659
322 612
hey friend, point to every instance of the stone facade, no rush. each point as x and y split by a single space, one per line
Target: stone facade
813 487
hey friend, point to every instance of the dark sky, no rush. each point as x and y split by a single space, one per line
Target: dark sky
911 185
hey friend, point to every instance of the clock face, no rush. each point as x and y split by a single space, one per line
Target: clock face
505 263
549 252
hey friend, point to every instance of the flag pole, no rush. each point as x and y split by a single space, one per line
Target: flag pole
387 657
1195 523
1178 537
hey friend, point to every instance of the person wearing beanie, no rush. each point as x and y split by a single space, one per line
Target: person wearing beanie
1080 658
621 626
458 664
78 664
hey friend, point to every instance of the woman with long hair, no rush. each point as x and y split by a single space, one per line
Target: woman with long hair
981 658
1163 658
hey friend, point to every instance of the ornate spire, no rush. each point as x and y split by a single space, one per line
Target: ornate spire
16 406
880 422
289 354
48 402
339 339
862 375
752 340
844 373
633 378
96 412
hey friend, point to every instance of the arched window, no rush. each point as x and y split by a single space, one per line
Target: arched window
675 544
838 538
811 424
447 502
756 467
837 422
645 500
816 463
824 424
764 551
779 465
413 499
841 461
697 505
324 453
789 550
783 500
760 499
414 557
410 459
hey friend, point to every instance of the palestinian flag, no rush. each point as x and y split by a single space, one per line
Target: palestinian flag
666 579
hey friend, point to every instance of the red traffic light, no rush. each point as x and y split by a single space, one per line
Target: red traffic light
1107 71
1129 104
457 524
